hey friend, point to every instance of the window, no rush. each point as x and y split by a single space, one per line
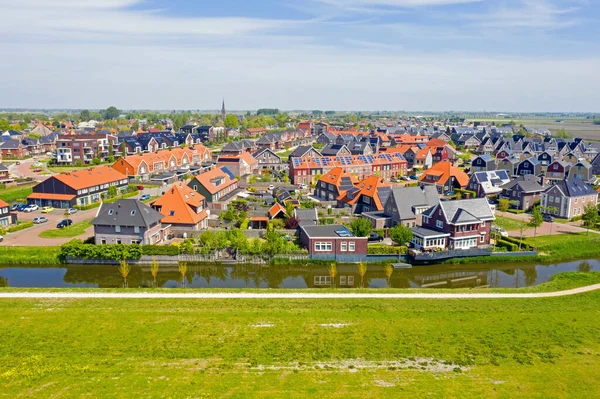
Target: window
136 229
439 224
344 246
323 246
117 229
132 213
351 246
322 280
171 213
103 241
135 242
110 211
117 241
482 224
482 238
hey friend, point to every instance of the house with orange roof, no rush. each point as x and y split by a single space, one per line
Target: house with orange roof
333 184
142 166
253 132
83 187
243 164
369 195
219 186
423 159
445 176
277 211
183 208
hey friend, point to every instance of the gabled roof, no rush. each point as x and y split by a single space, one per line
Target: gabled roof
179 205
276 210
492 181
444 170
464 211
369 187
302 151
338 177
208 180
407 199
90 177
527 183
127 212
3 204
573 187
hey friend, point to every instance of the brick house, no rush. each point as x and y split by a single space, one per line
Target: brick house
333 184
217 186
445 176
568 198
333 242
524 191
182 208
128 221
455 225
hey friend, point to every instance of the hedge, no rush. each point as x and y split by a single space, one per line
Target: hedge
77 249
472 194
516 241
516 211
509 246
386 250
20 226
165 250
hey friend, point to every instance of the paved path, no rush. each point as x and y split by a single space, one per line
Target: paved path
291 295
546 228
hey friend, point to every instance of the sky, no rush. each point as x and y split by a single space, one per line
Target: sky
414 55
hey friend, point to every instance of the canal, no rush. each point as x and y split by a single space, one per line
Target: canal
292 276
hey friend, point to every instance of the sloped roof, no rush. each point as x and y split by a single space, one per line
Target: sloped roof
207 180
179 204
368 187
409 198
445 170
127 212
465 211
276 210
90 177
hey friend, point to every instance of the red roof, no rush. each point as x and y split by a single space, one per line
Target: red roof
3 204
90 177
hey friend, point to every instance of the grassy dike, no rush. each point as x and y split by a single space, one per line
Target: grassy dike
348 348
29 255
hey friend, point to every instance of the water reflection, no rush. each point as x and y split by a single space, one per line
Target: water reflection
292 276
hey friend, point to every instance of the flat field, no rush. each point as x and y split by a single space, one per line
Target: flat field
342 348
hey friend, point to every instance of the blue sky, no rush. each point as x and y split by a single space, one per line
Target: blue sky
501 55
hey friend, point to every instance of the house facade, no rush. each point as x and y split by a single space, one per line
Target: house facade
524 191
568 198
333 242
128 221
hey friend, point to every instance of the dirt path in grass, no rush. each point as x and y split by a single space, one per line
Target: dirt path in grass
279 295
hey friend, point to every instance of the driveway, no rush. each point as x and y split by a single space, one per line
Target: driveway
24 170
30 236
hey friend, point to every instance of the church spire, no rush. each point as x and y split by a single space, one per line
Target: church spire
223 111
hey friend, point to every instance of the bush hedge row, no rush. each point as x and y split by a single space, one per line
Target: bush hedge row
386 250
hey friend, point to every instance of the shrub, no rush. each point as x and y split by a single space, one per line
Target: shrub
168 250
386 250
244 224
464 193
77 249
516 211
508 246
19 227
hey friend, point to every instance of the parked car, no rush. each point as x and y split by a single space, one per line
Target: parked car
548 218
47 209
140 188
22 207
64 223
405 178
500 230
16 206
271 187
40 220
374 237
71 211
37 170
31 208
413 177
303 186
1 238
145 197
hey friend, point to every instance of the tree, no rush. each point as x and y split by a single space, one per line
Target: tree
111 192
503 205
154 270
400 234
4 125
389 270
536 220
292 223
362 270
84 115
232 122
96 161
111 113
124 269
159 126
332 273
361 227
182 266
136 126
590 216
562 134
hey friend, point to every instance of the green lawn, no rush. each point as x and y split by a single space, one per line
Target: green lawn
13 194
63 169
28 255
508 224
291 348
74 230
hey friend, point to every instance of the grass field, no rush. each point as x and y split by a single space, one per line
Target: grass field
509 224
28 255
12 194
74 230
345 348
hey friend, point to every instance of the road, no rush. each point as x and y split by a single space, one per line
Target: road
24 169
291 295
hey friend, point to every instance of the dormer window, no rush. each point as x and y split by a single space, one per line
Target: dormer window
110 211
